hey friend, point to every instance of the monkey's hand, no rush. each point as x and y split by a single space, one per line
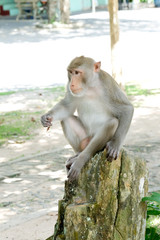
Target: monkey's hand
75 169
46 120
112 150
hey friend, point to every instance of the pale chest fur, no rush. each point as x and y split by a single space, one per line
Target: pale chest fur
92 112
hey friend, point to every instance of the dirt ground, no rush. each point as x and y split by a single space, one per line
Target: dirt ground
30 186
32 172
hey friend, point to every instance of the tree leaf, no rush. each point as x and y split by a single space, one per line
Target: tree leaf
154 197
153 212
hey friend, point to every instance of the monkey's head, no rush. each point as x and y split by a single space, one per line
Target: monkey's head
81 74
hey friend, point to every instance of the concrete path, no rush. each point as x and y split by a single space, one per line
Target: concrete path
30 187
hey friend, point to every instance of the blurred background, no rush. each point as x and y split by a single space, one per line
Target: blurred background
38 39
35 53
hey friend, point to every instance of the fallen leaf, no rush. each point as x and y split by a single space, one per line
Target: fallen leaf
33 119
20 141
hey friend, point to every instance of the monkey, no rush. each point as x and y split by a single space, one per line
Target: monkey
103 118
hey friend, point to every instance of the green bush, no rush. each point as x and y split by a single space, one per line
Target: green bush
153 213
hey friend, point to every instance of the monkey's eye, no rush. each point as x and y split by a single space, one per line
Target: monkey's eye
76 72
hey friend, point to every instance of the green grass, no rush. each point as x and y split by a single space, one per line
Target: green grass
7 131
18 125
136 90
6 93
57 89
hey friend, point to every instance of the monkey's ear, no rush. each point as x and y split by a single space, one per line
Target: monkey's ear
97 66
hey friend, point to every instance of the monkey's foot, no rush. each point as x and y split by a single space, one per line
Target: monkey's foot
75 169
70 161
112 151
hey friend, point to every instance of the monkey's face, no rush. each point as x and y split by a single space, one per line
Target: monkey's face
77 82
82 76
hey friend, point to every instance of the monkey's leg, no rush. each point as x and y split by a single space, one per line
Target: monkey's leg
103 135
83 145
76 135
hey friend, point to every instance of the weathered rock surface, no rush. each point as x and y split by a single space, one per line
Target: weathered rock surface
105 203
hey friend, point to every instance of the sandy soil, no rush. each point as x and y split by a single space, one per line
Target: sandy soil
30 186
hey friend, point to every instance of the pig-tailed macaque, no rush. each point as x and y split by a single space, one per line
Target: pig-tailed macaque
104 113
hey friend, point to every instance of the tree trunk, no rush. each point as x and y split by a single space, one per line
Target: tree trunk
93 6
114 36
105 203
52 6
65 10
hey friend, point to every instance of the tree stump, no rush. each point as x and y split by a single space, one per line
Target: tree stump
105 203
65 10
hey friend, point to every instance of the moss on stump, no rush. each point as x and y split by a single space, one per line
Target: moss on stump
105 203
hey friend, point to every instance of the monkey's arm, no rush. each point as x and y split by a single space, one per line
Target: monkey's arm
124 114
120 108
60 111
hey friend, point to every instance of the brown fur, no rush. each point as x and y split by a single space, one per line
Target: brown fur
79 61
112 88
